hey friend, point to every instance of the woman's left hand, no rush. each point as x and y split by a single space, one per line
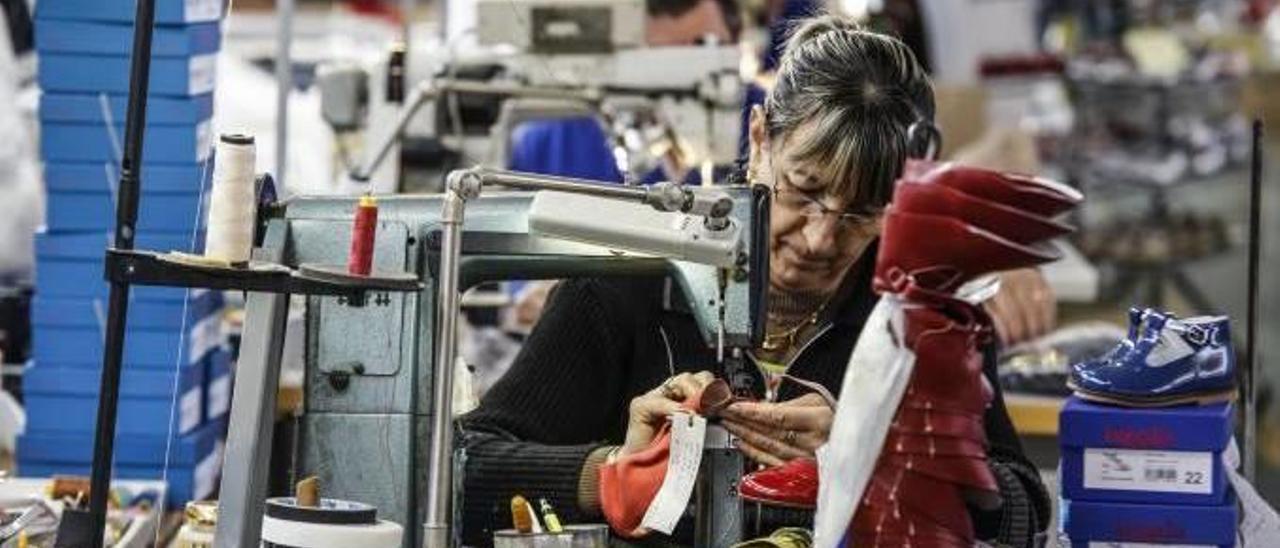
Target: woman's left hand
773 433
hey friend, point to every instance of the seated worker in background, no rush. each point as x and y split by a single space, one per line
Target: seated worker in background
579 147
613 358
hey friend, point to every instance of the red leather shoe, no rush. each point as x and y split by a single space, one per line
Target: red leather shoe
925 445
942 253
938 423
1041 197
1008 222
793 485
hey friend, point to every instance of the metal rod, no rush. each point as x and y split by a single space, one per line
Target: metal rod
437 531
284 85
126 218
1251 338
530 181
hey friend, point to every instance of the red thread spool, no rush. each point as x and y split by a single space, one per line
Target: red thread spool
360 261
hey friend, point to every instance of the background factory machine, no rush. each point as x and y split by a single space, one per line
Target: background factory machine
458 105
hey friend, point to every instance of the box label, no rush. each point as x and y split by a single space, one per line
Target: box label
202 10
206 473
204 140
1152 471
205 336
219 396
189 411
203 70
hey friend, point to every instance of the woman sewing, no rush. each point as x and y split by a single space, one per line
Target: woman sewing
611 359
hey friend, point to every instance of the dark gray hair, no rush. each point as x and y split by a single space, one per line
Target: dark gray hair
858 92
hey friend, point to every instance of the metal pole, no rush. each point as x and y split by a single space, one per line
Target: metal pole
437 531
126 218
284 85
1251 340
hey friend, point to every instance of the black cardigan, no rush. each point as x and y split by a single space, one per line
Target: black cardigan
601 343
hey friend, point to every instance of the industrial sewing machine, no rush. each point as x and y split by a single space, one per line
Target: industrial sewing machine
676 107
377 422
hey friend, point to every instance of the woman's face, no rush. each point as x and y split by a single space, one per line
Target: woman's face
813 239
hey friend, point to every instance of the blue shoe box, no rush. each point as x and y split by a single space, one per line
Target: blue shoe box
167 11
52 312
107 38
84 279
89 142
194 459
92 246
77 73
1169 455
89 108
70 266
146 348
219 379
65 399
1091 524
96 212
102 177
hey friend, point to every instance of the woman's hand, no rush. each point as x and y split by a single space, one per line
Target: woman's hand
1024 308
773 433
650 410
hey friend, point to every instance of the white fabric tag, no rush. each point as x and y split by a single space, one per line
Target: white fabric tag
1259 524
688 435
873 385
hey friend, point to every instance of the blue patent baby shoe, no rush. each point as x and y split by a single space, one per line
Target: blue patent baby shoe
1164 361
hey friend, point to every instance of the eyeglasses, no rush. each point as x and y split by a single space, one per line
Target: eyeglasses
796 201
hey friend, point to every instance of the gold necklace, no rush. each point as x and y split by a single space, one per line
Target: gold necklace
786 338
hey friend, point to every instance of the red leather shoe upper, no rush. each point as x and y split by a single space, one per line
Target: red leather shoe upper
792 484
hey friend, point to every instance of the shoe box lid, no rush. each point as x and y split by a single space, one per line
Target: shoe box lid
1184 428
1150 524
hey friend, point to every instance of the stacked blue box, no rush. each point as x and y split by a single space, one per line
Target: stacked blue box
190 462
174 334
1151 475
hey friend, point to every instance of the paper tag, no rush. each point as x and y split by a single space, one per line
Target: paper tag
1153 471
189 410
195 11
1259 523
219 396
1145 545
688 434
203 73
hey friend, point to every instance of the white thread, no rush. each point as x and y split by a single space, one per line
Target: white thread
231 201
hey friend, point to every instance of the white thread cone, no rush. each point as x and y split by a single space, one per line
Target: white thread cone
232 202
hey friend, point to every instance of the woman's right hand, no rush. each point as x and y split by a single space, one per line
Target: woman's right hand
649 411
